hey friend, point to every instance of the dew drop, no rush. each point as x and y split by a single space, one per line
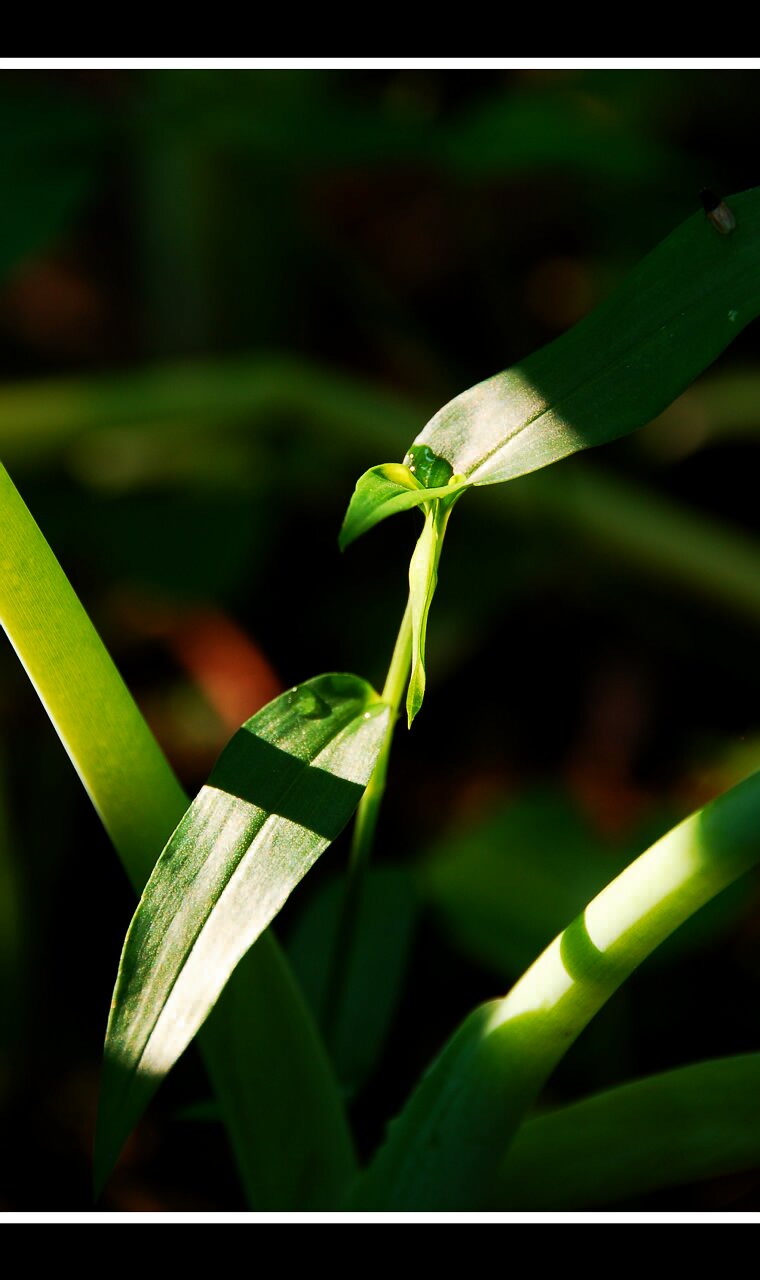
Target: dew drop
307 703
733 316
431 470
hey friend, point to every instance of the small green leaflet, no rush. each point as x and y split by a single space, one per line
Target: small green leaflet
382 491
280 793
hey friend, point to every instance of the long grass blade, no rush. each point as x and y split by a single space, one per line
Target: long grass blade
261 1022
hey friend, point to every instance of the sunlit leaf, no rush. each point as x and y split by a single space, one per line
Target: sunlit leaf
620 366
381 492
282 790
697 1122
446 1148
612 373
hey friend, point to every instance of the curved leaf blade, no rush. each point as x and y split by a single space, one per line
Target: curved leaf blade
282 790
447 1145
385 490
620 366
268 1064
696 1122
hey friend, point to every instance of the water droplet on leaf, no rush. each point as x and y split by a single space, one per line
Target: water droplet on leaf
305 702
432 471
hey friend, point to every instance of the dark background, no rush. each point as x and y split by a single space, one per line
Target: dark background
312 262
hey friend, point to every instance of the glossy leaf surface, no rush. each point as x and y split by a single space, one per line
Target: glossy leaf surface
282 790
620 366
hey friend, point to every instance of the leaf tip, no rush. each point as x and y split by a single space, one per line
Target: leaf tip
345 537
414 697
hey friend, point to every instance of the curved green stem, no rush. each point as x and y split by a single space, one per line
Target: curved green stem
364 832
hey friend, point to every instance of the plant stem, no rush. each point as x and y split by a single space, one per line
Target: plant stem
364 833
278 1094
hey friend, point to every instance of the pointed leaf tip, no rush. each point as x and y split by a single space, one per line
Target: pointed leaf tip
280 793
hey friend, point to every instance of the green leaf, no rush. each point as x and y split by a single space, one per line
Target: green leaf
386 918
612 373
282 790
266 1059
621 366
700 1121
277 1092
445 1149
383 491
